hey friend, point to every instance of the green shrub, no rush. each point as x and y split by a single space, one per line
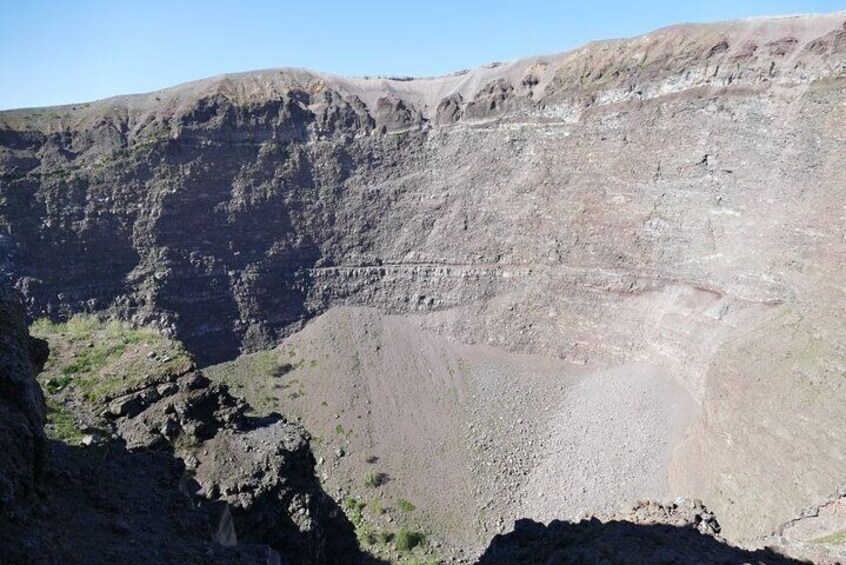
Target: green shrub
367 536
63 427
56 384
405 505
406 540
353 509
375 480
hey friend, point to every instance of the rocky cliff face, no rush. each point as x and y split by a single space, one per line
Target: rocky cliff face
260 469
673 199
22 440
242 489
232 209
682 531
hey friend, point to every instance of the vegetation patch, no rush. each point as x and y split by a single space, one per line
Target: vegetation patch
96 358
354 510
837 538
60 424
56 384
405 505
185 443
375 480
257 377
406 540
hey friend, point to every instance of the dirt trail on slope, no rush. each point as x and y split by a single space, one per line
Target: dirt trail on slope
469 435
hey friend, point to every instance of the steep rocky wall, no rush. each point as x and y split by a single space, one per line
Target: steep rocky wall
100 502
674 199
22 443
260 468
218 209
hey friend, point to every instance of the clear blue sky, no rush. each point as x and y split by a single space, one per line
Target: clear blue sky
63 51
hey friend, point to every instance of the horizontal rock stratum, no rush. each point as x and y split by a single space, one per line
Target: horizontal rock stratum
675 199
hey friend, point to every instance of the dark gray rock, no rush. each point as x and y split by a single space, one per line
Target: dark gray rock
683 531
22 442
101 503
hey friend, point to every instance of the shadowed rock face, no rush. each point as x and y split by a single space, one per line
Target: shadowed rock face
682 531
106 504
261 469
592 541
22 442
674 199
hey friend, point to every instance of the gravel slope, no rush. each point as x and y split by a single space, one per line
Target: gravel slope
471 435
610 439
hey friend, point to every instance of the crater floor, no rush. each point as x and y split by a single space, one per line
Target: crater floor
474 437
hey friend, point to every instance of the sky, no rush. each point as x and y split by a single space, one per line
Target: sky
59 52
